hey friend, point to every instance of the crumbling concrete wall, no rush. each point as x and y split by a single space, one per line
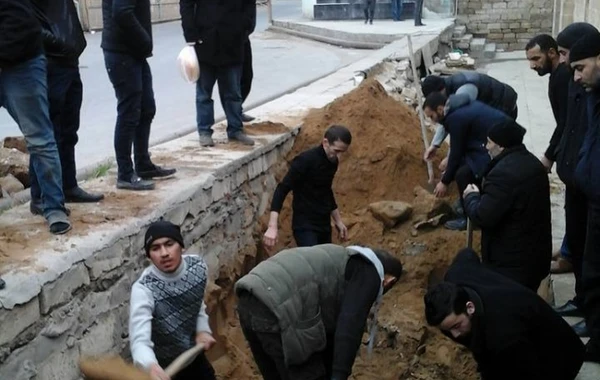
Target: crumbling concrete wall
508 23
84 311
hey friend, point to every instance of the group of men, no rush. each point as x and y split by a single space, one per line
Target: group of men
41 88
397 8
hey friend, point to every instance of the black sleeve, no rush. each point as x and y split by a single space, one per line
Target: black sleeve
19 30
291 181
466 255
187 10
519 361
124 15
362 288
560 102
487 208
458 135
250 15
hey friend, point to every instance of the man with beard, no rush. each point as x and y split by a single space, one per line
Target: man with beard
310 178
584 58
511 331
513 209
543 57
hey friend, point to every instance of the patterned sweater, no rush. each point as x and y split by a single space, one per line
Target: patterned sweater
166 311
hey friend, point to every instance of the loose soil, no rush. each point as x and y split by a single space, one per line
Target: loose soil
383 163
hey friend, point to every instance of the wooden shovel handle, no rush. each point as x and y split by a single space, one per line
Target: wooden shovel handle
184 360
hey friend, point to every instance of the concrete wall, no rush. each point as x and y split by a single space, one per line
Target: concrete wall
91 12
509 23
568 11
84 309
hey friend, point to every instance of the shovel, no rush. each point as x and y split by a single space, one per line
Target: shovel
469 233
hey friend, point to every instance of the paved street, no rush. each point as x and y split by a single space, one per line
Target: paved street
281 63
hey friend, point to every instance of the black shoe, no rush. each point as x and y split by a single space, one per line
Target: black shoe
35 208
569 309
78 195
371 22
247 118
419 24
242 138
366 22
136 184
156 172
581 329
459 224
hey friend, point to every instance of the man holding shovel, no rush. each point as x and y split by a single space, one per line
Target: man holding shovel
167 312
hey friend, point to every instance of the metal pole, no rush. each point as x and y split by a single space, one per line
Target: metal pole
420 100
270 12
469 233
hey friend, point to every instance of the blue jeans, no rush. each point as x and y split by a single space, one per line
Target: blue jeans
229 79
397 9
132 80
24 94
65 95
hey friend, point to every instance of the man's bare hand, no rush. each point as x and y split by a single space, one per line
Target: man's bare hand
547 163
430 153
157 373
206 340
470 189
342 230
440 190
270 237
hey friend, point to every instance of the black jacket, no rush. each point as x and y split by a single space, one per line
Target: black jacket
20 37
490 91
219 28
515 333
61 30
127 27
587 173
558 93
574 133
513 211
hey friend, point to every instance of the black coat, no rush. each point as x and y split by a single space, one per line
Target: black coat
515 335
20 37
127 27
61 30
219 28
490 91
587 172
558 94
513 211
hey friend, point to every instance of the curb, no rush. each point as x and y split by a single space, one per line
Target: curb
328 40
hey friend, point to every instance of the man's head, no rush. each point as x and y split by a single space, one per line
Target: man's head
164 245
542 54
504 135
569 35
435 106
584 58
433 83
336 141
392 268
448 307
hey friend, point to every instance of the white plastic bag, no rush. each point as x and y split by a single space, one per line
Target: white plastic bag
187 61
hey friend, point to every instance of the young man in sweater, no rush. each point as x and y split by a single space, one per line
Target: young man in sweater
167 312
310 178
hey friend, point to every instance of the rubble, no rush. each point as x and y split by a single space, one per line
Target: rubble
391 213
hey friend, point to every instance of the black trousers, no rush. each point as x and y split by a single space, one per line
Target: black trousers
590 277
261 330
369 9
576 230
418 12
464 177
247 72
308 238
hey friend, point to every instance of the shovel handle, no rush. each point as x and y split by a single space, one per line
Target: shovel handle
184 360
469 233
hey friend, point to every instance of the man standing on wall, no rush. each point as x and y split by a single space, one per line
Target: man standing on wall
63 44
397 6
310 178
418 12
370 10
127 44
219 31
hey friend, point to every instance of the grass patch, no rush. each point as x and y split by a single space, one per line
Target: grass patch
101 170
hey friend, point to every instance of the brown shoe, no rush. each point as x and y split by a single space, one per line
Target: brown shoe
561 266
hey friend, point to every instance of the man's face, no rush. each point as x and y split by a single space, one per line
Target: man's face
587 72
563 54
165 254
335 150
435 115
539 61
493 149
459 326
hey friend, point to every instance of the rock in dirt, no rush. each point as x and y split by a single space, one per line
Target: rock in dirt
431 223
10 184
427 205
16 163
413 248
391 213
17 143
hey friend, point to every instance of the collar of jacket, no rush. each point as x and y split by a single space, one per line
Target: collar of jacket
502 155
477 322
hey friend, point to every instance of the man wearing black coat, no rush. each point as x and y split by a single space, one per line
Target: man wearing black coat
218 30
512 332
513 209
63 44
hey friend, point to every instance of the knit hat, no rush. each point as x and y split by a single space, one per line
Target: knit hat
159 230
507 134
587 46
573 32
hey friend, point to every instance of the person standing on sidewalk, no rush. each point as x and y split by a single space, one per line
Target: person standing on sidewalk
64 42
219 31
418 12
310 179
24 94
370 10
127 44
584 58
397 6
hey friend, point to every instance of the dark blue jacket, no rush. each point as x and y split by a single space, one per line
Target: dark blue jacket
587 173
468 127
490 91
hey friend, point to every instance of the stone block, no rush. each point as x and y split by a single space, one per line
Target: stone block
515 25
19 318
477 44
495 36
16 163
509 36
17 143
62 320
459 31
108 258
100 337
178 213
390 213
60 365
499 5
60 291
11 185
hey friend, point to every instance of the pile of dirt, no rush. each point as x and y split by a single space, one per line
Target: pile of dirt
383 163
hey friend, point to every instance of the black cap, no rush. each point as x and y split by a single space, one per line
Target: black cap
159 230
574 32
508 134
432 83
587 46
